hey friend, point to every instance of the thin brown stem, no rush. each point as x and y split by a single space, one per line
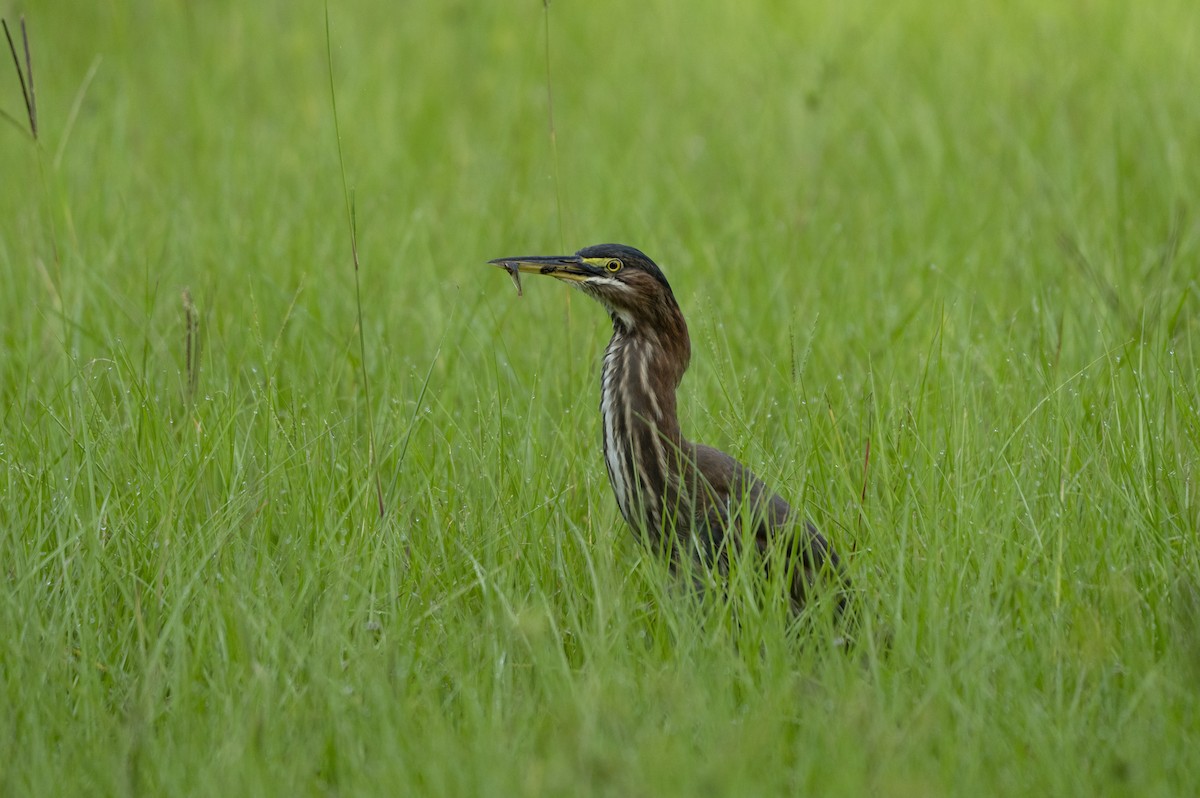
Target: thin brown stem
562 240
32 102
352 223
26 86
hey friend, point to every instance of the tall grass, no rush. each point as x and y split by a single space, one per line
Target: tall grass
962 240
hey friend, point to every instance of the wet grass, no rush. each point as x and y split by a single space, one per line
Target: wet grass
940 271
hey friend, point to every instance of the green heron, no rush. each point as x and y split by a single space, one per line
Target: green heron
691 501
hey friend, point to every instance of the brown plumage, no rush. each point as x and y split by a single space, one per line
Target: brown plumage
690 501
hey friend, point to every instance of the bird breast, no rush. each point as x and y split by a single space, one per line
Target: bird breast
639 440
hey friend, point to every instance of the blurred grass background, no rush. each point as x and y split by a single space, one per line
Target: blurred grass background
964 236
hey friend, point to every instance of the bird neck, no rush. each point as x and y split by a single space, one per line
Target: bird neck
643 366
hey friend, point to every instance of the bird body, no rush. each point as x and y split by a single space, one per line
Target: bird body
692 502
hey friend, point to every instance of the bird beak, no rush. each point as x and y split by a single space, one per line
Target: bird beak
564 267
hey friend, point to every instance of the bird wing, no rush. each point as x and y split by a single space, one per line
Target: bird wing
731 495
729 490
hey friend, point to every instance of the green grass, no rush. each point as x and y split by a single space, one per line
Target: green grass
966 237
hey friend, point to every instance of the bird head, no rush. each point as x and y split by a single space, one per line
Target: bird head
623 279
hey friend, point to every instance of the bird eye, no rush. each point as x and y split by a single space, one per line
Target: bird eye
613 265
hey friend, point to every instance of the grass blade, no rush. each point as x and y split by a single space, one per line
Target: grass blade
350 222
